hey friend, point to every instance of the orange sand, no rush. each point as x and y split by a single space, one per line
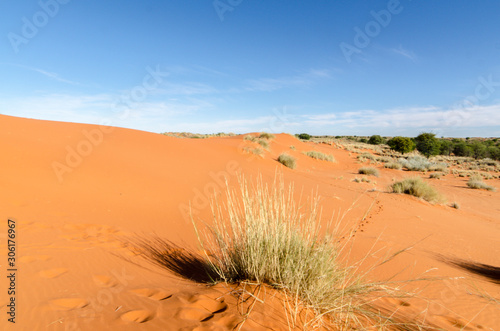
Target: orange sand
74 190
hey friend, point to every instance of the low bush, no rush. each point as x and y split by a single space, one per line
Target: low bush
304 136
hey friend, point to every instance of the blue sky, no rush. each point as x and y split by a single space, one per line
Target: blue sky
322 67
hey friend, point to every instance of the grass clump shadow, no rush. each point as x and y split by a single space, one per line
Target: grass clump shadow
418 188
287 160
476 182
182 262
368 171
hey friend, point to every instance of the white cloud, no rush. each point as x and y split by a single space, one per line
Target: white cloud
411 117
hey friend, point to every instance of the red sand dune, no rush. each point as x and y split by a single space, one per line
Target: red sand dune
74 190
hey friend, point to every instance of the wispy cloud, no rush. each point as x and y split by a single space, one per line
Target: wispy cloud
48 74
404 52
301 80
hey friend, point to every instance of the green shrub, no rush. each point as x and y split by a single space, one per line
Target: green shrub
445 147
304 136
250 137
418 188
320 156
376 140
427 144
402 145
368 171
287 160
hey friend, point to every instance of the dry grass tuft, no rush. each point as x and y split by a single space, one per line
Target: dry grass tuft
320 156
287 160
265 135
418 188
369 171
476 182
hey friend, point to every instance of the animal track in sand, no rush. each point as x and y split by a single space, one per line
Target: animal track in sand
193 314
33 258
52 273
153 294
137 316
68 303
104 281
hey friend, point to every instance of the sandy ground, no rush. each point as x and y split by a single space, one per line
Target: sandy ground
75 191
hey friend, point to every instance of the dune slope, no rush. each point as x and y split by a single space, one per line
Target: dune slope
75 191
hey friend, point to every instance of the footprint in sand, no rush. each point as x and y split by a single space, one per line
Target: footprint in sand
201 308
33 258
52 273
68 303
193 314
137 316
104 281
153 294
209 304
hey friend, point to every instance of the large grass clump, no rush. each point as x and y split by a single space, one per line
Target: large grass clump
418 188
287 160
369 171
476 182
263 237
320 156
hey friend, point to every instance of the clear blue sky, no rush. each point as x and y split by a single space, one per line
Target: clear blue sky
322 67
